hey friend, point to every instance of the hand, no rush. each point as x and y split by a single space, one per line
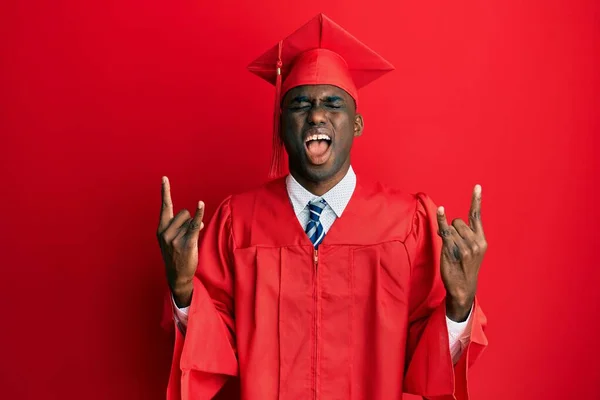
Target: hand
462 253
178 240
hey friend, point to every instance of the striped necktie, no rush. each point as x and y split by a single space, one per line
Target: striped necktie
314 228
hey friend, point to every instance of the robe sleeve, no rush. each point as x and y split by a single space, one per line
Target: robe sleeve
205 356
429 370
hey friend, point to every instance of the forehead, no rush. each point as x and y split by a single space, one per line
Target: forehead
316 91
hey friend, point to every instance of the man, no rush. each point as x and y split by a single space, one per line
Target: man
320 285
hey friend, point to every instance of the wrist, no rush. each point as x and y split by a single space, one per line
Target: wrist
182 294
458 310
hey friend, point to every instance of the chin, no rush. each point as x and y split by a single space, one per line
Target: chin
319 173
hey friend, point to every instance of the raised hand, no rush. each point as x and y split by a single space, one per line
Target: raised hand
178 240
462 253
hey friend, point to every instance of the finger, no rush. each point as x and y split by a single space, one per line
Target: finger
454 246
444 230
463 230
166 211
459 248
475 211
196 224
470 238
175 225
182 230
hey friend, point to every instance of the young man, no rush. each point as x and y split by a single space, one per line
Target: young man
320 285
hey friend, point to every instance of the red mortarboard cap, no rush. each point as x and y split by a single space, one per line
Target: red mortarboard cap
319 53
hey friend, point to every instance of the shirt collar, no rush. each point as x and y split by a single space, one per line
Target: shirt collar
337 197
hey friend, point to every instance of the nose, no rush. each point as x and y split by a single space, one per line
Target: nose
317 116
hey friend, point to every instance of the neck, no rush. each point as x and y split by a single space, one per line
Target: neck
320 187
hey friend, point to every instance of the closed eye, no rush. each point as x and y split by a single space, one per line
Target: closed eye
302 106
334 102
299 103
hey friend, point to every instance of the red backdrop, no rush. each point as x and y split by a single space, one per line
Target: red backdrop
98 101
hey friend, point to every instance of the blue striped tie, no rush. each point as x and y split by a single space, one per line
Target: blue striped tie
314 228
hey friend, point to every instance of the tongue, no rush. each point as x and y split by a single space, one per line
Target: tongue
317 148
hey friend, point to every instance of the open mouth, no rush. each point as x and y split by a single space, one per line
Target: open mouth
318 148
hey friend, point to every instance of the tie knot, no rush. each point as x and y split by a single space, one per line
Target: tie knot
316 207
318 202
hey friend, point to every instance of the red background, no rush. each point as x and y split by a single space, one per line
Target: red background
98 101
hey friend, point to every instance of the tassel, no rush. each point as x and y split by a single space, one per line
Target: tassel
276 169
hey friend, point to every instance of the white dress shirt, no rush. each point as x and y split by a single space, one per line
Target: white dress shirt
337 199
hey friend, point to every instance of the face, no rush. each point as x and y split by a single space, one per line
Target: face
318 126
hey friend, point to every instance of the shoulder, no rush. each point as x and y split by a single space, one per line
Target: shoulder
399 199
268 192
406 209
243 210
239 204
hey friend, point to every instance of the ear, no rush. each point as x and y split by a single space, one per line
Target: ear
359 125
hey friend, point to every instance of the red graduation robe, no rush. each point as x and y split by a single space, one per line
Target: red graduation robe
362 318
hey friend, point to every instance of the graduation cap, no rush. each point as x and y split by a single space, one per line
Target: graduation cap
319 53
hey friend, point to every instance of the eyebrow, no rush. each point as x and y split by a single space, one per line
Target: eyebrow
300 99
328 99
331 99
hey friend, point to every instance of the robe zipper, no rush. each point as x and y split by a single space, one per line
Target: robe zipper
316 298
